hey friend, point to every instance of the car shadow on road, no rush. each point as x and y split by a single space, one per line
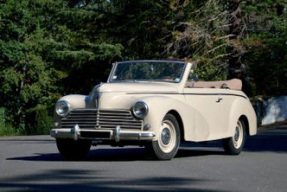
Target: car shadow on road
267 140
117 154
273 140
93 180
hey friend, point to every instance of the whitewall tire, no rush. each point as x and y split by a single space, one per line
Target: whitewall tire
166 147
234 145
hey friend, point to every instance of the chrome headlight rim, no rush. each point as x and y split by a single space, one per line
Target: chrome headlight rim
143 104
65 113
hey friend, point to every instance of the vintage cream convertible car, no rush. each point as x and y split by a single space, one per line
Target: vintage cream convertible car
156 104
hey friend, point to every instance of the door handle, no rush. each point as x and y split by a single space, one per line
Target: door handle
218 99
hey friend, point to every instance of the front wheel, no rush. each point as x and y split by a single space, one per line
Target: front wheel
166 147
73 150
234 145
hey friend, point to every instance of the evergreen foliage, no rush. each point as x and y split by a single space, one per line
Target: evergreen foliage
37 121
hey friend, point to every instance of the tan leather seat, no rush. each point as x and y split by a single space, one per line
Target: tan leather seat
235 84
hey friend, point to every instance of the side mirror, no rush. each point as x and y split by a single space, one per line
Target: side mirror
195 78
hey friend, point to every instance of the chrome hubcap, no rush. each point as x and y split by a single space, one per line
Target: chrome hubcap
167 139
238 135
165 136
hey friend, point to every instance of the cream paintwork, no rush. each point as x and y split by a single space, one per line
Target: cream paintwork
218 119
203 118
130 87
77 101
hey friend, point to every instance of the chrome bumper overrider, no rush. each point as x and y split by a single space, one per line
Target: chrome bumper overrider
117 134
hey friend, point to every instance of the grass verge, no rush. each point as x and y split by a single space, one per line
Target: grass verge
8 130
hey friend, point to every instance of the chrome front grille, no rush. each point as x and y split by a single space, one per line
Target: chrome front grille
101 119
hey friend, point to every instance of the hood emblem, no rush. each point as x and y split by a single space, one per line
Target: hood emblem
96 102
97 99
97 95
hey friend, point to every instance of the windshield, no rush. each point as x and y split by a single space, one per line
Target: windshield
148 71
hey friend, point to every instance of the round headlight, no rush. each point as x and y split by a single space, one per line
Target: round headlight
140 109
63 108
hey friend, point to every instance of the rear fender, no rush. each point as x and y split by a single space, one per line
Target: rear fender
242 107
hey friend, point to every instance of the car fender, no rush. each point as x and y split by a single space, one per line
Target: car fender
242 107
159 106
77 101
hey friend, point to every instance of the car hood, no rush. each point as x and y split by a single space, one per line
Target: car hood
137 87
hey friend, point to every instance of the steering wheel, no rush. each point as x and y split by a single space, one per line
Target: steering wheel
224 86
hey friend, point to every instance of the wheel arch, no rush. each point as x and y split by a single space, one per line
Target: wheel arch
179 121
159 106
246 123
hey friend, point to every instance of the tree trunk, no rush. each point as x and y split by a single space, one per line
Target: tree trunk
236 68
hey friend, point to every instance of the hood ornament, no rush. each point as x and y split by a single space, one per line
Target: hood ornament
96 95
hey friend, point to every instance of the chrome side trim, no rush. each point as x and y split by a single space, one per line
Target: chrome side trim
217 94
176 93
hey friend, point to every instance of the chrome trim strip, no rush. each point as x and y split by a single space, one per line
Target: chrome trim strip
217 94
175 93
112 72
155 61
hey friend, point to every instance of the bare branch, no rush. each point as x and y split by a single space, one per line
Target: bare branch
214 49
220 56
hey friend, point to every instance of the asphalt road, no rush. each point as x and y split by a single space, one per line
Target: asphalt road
33 164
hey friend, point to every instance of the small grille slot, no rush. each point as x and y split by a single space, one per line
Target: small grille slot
91 134
101 119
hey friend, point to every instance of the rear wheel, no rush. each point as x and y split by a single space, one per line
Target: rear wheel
166 147
73 150
234 145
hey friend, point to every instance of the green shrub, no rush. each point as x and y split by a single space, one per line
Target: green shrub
2 117
8 130
37 121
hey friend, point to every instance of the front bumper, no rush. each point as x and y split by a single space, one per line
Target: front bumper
117 134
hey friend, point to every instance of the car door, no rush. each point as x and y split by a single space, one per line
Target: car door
208 112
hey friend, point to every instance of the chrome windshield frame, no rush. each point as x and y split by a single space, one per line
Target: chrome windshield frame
147 61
